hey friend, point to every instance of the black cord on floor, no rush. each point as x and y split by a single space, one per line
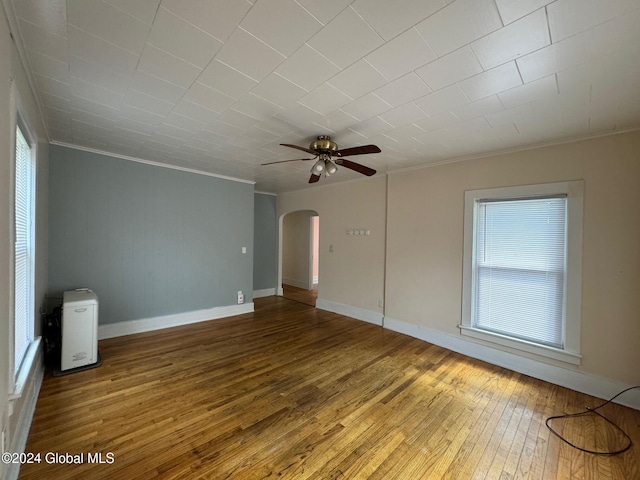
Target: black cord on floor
593 411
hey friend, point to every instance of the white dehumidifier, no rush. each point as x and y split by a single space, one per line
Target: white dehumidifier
79 329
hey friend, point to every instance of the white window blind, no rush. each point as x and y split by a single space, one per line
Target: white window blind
520 268
23 301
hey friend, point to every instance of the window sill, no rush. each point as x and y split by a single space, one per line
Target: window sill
529 347
25 369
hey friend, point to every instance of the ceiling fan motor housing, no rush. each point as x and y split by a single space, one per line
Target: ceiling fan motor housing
324 144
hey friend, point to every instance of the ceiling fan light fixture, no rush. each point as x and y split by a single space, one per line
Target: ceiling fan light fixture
318 167
330 168
323 149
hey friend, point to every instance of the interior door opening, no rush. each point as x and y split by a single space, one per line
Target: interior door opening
299 260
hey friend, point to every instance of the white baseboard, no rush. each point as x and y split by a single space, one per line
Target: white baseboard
294 282
573 379
350 311
30 393
129 327
265 292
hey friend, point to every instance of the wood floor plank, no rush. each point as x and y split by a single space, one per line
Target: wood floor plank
292 392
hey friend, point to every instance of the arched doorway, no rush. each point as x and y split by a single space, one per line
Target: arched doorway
298 259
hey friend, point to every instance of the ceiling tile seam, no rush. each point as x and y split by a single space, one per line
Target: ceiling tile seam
320 113
174 56
382 100
286 79
102 67
118 104
48 57
351 99
90 136
182 97
210 88
221 121
504 24
388 137
323 56
153 141
404 31
311 14
21 19
378 71
583 32
258 96
232 68
338 110
519 74
443 56
368 25
429 45
135 54
91 85
178 128
185 21
133 16
514 126
242 19
475 55
55 80
358 133
521 56
262 41
546 14
148 96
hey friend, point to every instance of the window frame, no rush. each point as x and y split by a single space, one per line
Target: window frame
19 120
574 191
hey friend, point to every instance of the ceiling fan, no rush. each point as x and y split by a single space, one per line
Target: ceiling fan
323 148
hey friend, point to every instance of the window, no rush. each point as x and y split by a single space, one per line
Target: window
522 268
23 248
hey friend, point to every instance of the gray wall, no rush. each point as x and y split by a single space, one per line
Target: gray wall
150 241
264 241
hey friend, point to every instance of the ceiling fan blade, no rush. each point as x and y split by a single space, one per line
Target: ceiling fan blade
345 152
314 178
293 160
308 150
356 167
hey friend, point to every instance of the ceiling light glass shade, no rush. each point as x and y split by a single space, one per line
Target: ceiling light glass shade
318 167
330 167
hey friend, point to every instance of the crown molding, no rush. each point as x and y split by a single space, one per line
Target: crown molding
150 162
16 35
496 153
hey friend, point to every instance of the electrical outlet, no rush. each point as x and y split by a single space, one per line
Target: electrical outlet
240 298
380 303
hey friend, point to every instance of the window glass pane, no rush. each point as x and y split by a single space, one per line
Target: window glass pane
23 297
520 268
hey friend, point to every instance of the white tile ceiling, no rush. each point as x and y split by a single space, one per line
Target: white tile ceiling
217 85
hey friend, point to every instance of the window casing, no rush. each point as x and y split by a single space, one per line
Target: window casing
522 268
24 254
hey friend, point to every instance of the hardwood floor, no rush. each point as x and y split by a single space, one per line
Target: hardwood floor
298 393
302 295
